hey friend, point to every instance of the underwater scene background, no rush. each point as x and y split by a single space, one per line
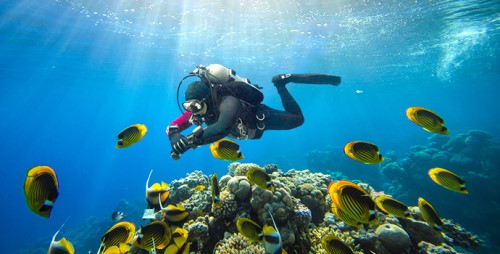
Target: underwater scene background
75 73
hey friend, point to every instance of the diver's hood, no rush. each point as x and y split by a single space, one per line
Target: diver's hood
197 90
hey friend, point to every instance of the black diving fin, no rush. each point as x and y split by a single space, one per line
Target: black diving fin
310 78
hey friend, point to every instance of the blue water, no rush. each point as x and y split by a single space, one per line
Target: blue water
75 73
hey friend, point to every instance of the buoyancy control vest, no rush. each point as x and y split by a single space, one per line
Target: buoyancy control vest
222 82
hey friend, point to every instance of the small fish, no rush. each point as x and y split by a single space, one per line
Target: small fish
249 229
155 235
364 152
117 216
199 188
430 215
174 213
120 233
392 206
62 246
358 91
448 180
156 193
226 149
215 190
41 190
333 245
271 238
260 178
427 119
131 135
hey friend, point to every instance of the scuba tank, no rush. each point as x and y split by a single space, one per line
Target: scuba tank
218 74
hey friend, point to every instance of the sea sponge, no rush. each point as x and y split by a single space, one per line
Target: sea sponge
393 238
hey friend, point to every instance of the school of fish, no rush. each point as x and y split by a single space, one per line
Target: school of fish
350 202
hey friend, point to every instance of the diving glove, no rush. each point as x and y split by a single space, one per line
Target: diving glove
181 145
310 78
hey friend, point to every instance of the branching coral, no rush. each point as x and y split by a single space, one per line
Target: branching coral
238 244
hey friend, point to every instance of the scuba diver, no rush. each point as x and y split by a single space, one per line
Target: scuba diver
230 105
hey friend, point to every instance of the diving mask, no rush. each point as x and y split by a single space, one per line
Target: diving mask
196 107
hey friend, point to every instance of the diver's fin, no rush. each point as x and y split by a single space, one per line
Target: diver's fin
310 78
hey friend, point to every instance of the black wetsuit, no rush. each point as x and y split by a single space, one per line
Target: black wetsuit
227 115
231 109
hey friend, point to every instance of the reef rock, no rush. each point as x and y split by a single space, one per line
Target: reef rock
393 238
421 231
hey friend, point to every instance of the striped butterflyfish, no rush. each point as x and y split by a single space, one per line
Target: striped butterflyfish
155 235
392 206
364 152
427 119
333 245
249 229
122 248
214 183
226 149
117 235
41 189
260 178
343 216
131 135
448 180
430 215
354 201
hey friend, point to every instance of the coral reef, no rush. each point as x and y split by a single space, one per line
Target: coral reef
300 205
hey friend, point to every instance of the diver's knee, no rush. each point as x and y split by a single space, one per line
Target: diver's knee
300 121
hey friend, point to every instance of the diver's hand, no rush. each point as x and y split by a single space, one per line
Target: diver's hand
181 146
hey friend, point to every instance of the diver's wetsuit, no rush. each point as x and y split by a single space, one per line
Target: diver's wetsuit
231 109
